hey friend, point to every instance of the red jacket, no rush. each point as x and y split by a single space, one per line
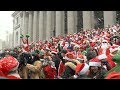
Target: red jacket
109 59
61 68
50 73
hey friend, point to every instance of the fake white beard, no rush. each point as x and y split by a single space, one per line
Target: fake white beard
104 46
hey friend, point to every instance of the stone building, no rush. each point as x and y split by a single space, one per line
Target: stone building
41 25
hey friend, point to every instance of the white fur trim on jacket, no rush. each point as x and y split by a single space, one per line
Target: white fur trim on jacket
102 56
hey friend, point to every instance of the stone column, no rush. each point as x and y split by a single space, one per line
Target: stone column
35 26
23 22
49 25
70 22
88 19
59 23
109 18
41 18
26 21
75 19
30 26
53 23
44 24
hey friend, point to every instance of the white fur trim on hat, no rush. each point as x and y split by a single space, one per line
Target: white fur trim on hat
15 68
84 70
104 41
94 63
102 56
53 52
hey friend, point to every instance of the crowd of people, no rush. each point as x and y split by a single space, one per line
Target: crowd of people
88 54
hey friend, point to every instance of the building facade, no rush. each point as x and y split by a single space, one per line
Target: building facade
41 25
0 44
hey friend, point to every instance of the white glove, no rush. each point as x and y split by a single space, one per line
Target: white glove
75 76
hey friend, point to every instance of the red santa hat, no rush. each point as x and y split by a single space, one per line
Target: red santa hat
9 64
81 68
69 56
95 62
54 51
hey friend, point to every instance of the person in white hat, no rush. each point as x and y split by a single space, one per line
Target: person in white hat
95 70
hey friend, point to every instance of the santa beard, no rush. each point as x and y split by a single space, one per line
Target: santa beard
104 46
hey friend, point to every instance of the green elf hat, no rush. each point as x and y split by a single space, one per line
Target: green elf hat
27 36
21 36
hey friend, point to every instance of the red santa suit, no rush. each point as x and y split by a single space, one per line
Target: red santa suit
104 48
109 59
50 73
26 47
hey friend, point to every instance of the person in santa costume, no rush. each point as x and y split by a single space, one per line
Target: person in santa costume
8 67
48 65
95 70
76 50
104 48
70 66
81 68
26 47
